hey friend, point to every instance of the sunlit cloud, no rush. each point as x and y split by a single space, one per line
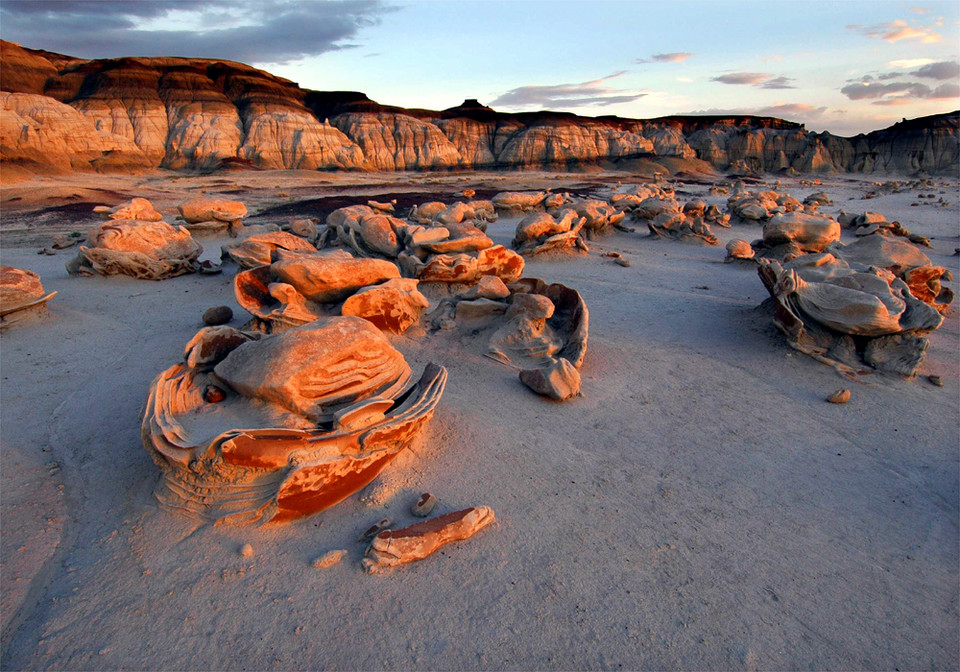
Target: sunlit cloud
764 80
910 62
920 10
685 80
780 110
895 31
743 78
672 57
568 95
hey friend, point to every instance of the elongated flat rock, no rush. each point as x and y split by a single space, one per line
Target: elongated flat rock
397 547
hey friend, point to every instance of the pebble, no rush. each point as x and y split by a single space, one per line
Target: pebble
424 505
213 394
47 251
935 380
839 397
622 262
217 315
376 529
329 559
246 550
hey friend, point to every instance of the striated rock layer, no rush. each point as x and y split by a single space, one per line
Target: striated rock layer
61 113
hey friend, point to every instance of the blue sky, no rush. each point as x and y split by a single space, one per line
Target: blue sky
843 66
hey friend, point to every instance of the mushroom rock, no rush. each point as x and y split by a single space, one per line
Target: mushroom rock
854 322
198 210
265 248
391 548
651 207
812 233
392 306
570 320
598 216
540 232
739 249
680 227
462 238
141 249
136 209
558 380
300 421
463 268
519 200
326 278
884 252
21 295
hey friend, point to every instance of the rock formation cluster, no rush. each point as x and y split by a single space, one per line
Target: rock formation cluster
62 113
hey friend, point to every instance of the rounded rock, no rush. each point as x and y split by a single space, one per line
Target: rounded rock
839 397
217 315
424 505
246 550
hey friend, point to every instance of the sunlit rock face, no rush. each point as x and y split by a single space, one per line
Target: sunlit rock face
180 113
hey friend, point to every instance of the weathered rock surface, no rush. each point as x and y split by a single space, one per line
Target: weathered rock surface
145 250
559 380
393 306
300 420
397 547
21 293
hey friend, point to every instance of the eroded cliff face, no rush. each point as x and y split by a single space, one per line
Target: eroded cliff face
63 113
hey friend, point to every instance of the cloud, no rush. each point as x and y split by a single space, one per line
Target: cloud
893 101
919 10
780 82
910 62
764 80
766 58
895 31
567 95
740 78
899 90
672 57
262 31
685 80
781 110
941 70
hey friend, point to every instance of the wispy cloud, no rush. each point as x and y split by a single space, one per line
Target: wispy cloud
894 31
781 110
920 10
568 95
764 80
672 57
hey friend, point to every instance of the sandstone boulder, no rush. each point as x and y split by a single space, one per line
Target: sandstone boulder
21 295
149 250
392 306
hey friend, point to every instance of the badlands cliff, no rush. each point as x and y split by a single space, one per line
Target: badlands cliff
61 113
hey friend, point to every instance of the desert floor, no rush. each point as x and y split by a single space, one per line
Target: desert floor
700 506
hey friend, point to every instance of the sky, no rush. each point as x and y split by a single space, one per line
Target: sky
845 66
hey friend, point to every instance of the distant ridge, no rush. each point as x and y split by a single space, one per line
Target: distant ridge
62 113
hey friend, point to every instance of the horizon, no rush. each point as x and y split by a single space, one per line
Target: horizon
846 68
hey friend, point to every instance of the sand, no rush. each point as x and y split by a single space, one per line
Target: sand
700 506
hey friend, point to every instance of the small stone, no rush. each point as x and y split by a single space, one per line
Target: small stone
612 255
560 380
469 193
329 559
217 315
213 394
935 380
210 268
424 505
622 262
376 529
839 397
47 251
246 551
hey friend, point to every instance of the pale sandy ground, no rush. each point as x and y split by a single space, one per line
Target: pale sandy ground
699 507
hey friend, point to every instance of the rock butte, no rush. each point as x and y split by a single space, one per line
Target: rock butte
62 113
